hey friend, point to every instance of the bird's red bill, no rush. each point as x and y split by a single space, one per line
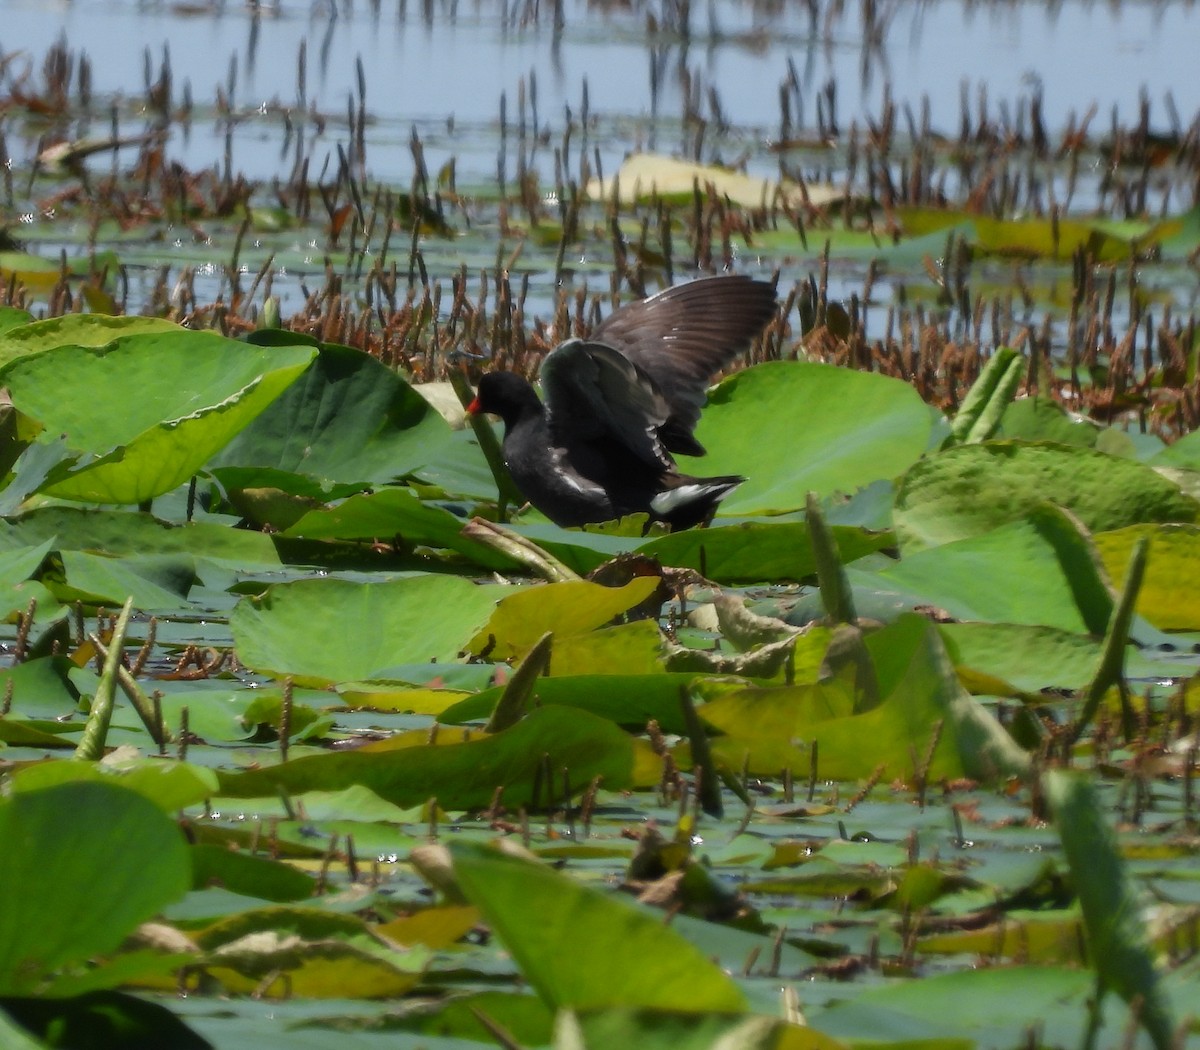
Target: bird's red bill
474 408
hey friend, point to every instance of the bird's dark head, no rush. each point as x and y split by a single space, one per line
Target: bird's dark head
507 395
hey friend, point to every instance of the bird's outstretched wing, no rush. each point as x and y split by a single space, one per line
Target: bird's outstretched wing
595 393
681 337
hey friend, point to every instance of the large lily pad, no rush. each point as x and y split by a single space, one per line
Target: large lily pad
580 949
794 428
121 532
75 330
329 630
768 729
463 775
1038 570
567 609
350 419
183 396
137 862
971 489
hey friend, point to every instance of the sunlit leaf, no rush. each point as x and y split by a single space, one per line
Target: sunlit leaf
565 609
1170 594
645 175
581 949
195 391
462 776
972 489
793 428
350 418
330 630
137 862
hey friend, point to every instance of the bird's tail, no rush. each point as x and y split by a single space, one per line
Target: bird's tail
692 501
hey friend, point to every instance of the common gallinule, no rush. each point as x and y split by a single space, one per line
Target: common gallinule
618 404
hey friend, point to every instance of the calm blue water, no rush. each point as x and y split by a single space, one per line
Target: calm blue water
454 65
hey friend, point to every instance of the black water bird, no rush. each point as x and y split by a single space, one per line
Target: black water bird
618 404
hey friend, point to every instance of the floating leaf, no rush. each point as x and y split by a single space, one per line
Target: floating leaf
756 551
793 427
396 515
1170 594
462 776
249 875
195 390
1041 419
996 657
645 175
972 578
330 630
350 418
581 949
972 489
154 582
76 330
628 700
170 785
1005 1003
123 532
137 864
565 609
773 728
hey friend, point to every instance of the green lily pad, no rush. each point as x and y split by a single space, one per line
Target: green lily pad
154 581
137 863
194 392
331 630
994 657
462 775
170 785
971 489
76 330
628 700
794 428
758 552
1038 570
122 532
349 419
582 949
396 514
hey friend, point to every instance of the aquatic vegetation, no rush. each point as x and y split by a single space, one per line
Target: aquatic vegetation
370 752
